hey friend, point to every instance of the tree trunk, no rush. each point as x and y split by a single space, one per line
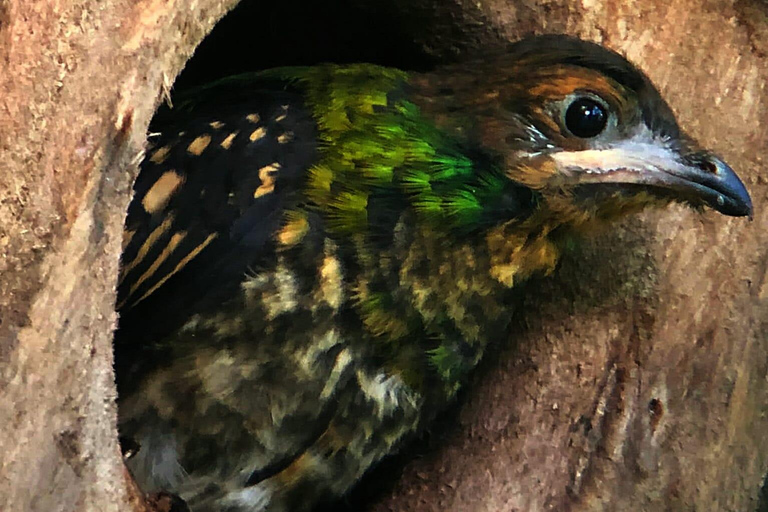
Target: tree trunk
79 82
634 379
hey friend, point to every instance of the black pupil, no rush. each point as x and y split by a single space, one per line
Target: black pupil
585 118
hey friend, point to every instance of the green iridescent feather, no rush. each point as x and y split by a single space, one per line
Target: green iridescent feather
374 139
375 144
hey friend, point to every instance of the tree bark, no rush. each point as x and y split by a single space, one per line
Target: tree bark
634 379
80 80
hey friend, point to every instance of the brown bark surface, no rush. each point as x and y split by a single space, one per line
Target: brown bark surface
635 378
79 81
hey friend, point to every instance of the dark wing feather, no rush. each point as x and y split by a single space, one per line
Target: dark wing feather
210 195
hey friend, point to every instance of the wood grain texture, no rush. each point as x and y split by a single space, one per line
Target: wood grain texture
79 82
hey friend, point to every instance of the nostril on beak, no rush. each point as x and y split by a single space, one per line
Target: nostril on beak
707 162
707 165
731 196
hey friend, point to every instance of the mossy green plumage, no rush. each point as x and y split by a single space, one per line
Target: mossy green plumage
373 140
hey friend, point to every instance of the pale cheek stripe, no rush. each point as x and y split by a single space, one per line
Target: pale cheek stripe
630 156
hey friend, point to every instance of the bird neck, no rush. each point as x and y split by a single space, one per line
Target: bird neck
452 297
420 205
380 155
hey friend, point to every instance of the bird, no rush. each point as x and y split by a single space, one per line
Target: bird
316 257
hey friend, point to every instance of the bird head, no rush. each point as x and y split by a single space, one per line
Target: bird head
586 131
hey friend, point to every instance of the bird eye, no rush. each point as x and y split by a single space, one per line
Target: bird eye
585 118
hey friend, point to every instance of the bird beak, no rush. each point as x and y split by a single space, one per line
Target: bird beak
698 177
